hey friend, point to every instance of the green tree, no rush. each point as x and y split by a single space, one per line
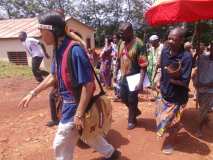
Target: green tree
104 15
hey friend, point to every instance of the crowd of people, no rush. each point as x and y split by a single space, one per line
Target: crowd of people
168 66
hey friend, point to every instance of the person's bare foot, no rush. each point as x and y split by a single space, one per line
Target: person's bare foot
168 149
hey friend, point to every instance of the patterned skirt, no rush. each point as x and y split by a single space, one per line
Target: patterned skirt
167 115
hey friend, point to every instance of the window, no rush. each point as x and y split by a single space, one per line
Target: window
18 58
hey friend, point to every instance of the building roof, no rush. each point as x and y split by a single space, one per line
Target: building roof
11 28
73 19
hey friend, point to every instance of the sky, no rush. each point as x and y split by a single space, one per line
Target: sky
2 13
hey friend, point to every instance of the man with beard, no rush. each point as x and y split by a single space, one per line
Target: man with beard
132 61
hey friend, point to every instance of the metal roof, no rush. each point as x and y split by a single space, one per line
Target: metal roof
11 28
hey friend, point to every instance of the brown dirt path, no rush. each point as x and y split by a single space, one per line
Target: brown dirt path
24 136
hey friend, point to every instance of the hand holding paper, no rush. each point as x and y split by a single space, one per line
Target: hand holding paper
134 80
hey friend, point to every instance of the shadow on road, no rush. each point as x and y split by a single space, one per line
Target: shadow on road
190 121
147 123
121 158
116 139
188 144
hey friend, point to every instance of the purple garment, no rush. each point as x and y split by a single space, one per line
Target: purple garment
105 70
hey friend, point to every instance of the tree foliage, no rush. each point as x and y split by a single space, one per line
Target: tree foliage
103 15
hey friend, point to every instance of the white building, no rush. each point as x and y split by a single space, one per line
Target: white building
11 49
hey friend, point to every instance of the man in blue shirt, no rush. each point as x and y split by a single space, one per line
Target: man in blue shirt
176 67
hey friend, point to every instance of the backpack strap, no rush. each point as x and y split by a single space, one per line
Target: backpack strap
67 73
74 86
70 80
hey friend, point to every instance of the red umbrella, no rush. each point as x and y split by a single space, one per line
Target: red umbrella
173 11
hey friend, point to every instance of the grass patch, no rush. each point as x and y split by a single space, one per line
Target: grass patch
12 70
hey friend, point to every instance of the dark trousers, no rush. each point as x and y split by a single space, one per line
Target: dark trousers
38 74
130 99
53 95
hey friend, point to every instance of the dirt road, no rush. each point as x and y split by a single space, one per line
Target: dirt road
24 136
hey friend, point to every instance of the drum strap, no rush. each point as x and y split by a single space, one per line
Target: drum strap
73 85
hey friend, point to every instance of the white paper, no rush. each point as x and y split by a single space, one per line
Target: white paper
134 80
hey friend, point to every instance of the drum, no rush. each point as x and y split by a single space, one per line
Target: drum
97 121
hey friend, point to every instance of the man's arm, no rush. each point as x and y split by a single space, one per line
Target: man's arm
84 75
194 60
50 80
155 72
186 69
75 37
26 47
142 75
178 82
86 94
143 63
157 67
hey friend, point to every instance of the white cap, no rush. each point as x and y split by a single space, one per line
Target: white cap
187 44
153 38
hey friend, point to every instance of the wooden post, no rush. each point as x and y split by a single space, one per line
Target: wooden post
198 61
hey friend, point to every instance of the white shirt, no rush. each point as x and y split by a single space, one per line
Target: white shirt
157 52
33 47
